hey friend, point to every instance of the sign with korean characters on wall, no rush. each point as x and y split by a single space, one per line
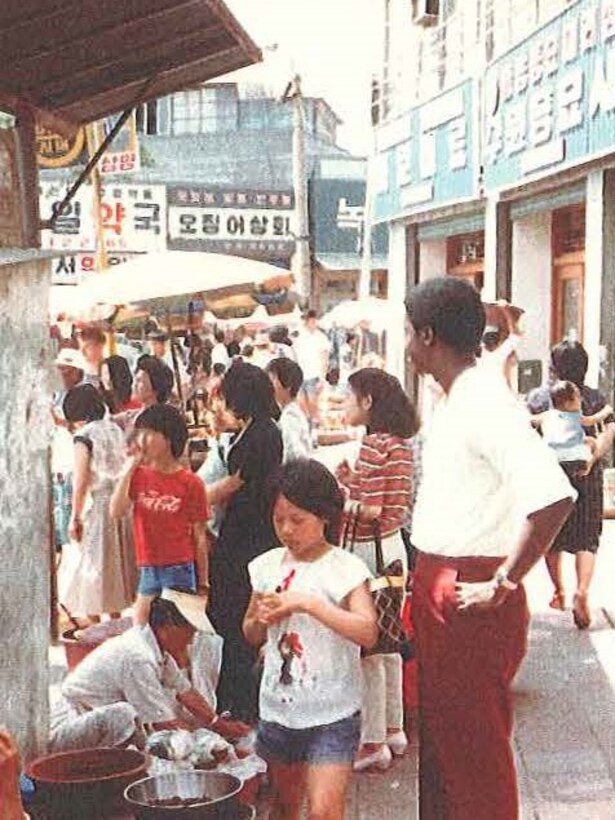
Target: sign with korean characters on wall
71 269
550 102
426 158
254 223
133 217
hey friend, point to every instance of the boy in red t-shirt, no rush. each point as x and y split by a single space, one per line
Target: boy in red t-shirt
169 509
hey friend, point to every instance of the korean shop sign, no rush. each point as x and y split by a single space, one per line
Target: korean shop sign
550 102
133 217
426 158
217 219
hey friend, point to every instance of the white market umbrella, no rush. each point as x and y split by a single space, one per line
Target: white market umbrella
175 273
380 313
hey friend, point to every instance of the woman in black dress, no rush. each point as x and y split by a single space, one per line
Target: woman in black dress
246 530
580 535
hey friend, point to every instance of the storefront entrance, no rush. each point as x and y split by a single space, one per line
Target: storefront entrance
568 237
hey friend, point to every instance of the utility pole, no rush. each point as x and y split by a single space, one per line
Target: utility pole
301 259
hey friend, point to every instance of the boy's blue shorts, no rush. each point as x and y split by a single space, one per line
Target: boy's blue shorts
152 580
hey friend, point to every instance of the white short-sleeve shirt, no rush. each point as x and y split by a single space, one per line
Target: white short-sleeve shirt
128 669
311 676
484 471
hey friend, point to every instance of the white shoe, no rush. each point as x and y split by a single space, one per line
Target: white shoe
380 759
398 743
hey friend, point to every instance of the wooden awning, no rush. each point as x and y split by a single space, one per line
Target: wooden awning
75 61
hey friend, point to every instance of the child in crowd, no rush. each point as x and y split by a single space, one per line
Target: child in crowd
562 428
287 378
169 509
311 609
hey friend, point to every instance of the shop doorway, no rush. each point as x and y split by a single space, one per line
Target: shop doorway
465 257
568 274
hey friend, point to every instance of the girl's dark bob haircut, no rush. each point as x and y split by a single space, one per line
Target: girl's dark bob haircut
169 422
309 485
248 392
83 403
392 411
160 376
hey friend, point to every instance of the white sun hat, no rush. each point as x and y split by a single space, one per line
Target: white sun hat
192 607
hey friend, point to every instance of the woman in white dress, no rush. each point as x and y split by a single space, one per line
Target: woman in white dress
102 578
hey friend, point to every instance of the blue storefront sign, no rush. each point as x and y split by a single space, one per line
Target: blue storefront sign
426 158
549 103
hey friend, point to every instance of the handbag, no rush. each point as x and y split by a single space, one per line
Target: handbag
387 591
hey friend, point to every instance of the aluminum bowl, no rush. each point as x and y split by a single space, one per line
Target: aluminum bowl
215 791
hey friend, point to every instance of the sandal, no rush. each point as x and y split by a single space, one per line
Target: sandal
580 611
558 601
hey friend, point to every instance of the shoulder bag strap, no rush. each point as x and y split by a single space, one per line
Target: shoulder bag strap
350 530
378 546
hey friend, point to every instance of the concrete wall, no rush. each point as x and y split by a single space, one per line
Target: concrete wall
531 283
433 259
24 580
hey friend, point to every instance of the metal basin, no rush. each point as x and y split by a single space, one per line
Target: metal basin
205 795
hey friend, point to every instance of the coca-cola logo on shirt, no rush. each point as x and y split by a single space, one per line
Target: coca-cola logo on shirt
158 502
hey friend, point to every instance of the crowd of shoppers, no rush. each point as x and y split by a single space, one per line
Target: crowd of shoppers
284 553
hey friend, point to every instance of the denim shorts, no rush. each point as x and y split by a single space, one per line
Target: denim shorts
331 743
152 580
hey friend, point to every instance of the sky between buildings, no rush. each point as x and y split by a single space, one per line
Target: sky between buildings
335 46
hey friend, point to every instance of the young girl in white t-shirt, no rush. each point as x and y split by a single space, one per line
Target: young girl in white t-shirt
312 611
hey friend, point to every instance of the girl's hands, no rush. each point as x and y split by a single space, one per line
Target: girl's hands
271 608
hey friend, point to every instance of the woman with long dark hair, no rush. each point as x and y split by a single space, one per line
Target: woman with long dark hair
580 535
103 578
246 530
379 488
116 387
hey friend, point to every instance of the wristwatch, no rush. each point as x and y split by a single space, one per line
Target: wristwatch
501 579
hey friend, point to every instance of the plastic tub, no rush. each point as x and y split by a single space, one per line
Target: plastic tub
87 783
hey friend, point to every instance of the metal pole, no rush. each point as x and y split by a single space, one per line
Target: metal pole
365 277
301 259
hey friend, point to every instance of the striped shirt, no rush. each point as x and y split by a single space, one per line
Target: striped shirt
383 477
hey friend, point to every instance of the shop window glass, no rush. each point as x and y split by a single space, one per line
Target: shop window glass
572 299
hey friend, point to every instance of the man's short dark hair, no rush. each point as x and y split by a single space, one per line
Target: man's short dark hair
311 314
289 374
452 308
169 422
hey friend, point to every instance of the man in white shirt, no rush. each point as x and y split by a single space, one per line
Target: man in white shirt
138 679
313 349
287 378
491 501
